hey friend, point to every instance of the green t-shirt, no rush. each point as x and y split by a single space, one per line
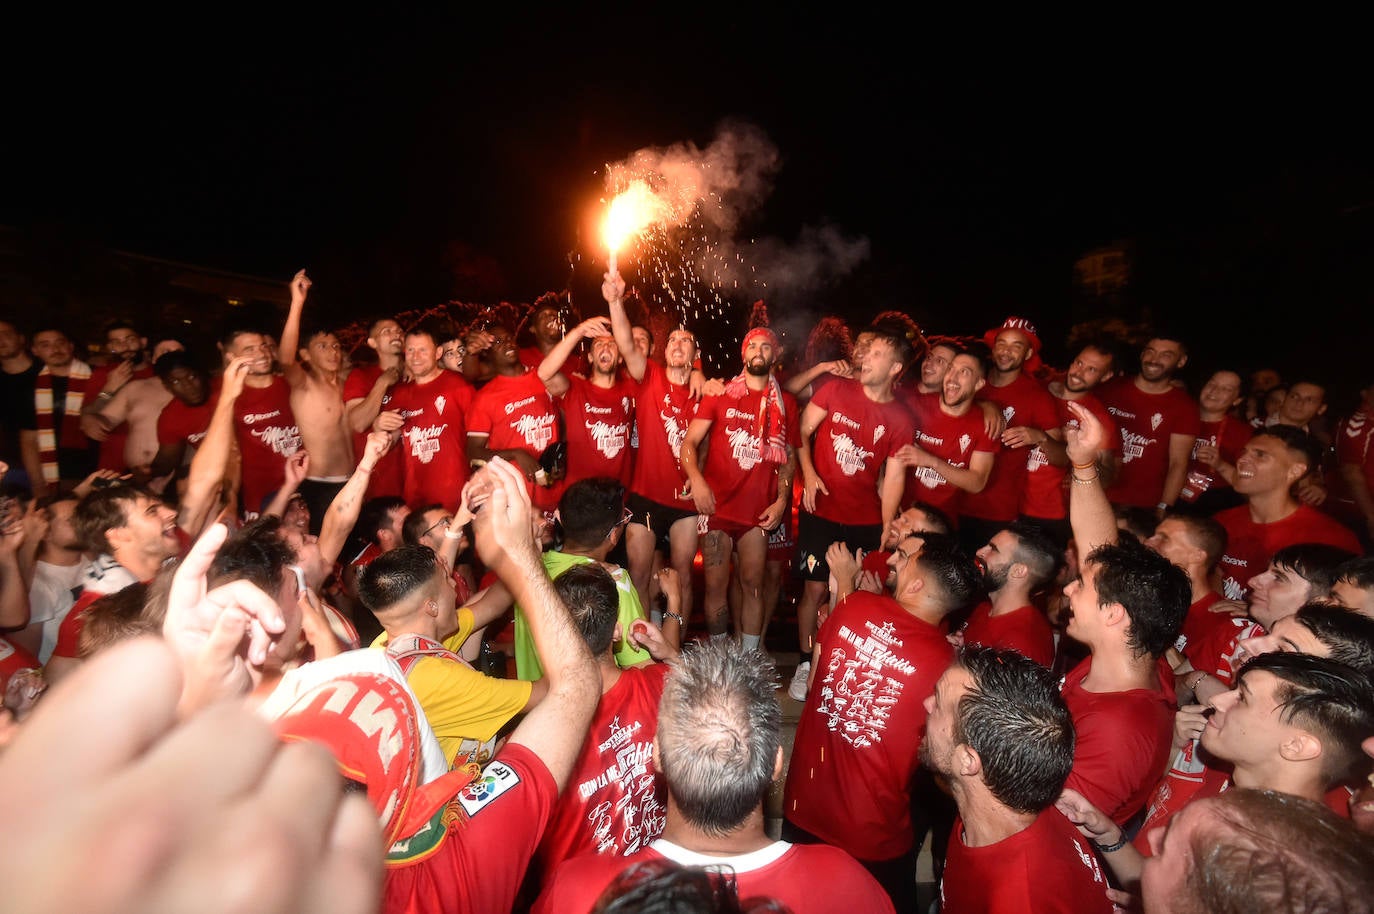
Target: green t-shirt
555 563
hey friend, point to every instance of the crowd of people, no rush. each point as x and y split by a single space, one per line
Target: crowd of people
1104 642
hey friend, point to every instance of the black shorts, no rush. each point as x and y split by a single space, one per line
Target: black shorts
658 518
815 534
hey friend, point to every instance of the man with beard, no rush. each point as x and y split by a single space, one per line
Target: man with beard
953 452
57 453
545 326
314 372
1044 502
1016 563
514 417
663 524
1158 423
744 486
1030 418
430 412
598 410
367 392
128 354
264 426
1001 737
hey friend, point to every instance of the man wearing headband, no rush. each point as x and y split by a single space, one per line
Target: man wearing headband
744 486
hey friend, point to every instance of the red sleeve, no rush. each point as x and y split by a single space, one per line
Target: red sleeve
69 632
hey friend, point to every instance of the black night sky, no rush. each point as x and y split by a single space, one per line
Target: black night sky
409 158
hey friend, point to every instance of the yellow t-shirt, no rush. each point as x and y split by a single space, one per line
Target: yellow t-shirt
465 708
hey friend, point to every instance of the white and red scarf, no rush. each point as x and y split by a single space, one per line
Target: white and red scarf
49 436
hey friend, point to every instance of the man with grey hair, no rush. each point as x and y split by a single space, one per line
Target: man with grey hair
719 748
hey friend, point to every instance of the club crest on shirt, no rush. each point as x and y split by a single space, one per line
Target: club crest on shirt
878 433
440 402
1008 412
964 442
480 793
1154 422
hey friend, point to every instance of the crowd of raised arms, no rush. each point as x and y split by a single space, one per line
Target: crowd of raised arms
474 619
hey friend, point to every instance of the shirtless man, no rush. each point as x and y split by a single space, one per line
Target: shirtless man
313 371
138 404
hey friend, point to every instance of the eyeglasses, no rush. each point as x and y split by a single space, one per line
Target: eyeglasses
441 522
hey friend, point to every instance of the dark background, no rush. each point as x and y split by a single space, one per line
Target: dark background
408 159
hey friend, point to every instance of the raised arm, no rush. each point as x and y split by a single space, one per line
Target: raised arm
211 463
1090 514
550 368
555 729
343 511
613 290
291 333
841 368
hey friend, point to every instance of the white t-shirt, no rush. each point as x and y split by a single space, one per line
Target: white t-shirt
51 597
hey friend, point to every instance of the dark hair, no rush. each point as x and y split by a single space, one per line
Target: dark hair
1015 719
373 516
590 508
979 352
103 510
664 887
936 517
1296 440
719 731
828 340
1333 701
1108 346
118 323
1316 563
1035 550
255 553
1347 634
1154 592
1261 850
414 526
1168 335
1205 532
176 358
903 334
1139 522
392 577
591 595
951 570
1357 570
237 328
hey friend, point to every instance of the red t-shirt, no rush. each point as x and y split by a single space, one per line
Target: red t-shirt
1124 741
849 781
663 410
1204 631
953 439
267 435
1146 422
1047 867
178 422
1045 494
1025 630
14 658
1353 443
517 413
480 844
853 440
598 422
388 476
1193 776
532 358
434 441
611 804
1226 434
743 482
807 878
1250 546
1023 402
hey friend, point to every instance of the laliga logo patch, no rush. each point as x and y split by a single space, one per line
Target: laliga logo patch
496 780
810 562
879 432
964 442
440 402
1154 421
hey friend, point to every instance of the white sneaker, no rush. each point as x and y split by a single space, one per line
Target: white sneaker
797 689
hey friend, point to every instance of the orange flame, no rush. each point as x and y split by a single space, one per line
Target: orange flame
631 212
